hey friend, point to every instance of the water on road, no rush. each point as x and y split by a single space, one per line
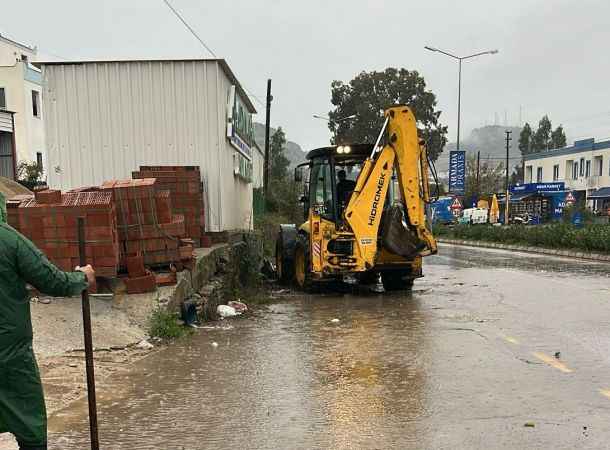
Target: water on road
464 361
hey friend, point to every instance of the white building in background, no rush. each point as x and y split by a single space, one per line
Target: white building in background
106 118
21 93
584 168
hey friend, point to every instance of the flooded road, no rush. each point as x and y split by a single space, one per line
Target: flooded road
465 361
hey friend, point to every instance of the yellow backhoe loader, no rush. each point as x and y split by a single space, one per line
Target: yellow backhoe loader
364 210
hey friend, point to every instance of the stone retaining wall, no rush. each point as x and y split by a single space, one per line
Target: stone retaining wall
522 248
218 273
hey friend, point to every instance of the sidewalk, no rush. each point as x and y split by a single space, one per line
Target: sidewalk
522 248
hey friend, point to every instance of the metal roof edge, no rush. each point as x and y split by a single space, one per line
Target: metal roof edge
572 150
222 62
18 44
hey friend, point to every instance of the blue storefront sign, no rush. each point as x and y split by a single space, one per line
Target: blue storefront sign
457 171
538 187
555 192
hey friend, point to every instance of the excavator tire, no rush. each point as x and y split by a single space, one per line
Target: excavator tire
397 280
284 253
302 269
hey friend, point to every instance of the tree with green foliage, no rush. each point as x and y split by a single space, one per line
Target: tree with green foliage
558 137
283 191
278 169
525 140
542 137
491 177
369 93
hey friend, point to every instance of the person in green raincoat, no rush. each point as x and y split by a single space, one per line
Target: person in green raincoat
22 406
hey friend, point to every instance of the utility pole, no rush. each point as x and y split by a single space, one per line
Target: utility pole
267 126
506 214
478 174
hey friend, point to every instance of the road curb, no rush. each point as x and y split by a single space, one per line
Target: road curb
520 248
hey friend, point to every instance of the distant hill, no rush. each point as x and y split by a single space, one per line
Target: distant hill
293 151
490 141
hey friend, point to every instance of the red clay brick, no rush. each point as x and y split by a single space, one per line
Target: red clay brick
140 285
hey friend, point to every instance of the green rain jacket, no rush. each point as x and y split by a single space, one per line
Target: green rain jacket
22 408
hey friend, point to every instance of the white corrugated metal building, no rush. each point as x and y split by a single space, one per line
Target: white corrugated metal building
106 118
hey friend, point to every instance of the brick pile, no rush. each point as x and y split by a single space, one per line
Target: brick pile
50 221
146 225
186 194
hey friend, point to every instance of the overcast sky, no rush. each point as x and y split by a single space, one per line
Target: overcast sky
553 55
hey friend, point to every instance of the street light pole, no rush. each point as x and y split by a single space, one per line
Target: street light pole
459 101
316 116
460 59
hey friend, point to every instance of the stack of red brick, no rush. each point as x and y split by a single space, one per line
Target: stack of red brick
50 220
186 195
146 225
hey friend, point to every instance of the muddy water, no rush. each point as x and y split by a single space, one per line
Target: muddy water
411 370
292 378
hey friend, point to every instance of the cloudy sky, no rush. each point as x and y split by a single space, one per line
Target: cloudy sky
553 55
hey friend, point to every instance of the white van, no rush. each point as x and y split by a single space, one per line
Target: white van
474 216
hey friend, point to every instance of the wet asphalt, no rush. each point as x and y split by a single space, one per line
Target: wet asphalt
491 350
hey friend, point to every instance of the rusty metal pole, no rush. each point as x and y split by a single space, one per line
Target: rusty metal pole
266 165
88 343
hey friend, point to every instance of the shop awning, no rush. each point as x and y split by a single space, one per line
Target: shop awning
515 197
600 193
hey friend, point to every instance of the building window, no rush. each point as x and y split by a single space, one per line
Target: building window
588 168
539 174
36 103
39 161
528 174
599 166
2 99
556 172
575 170
24 58
582 167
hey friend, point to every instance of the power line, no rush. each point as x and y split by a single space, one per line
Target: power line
258 100
194 33
189 27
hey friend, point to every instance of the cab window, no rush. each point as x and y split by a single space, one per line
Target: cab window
321 188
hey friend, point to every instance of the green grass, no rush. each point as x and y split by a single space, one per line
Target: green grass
590 238
163 324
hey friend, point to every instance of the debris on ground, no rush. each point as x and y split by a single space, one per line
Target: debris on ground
335 320
557 355
214 344
188 313
240 307
269 270
281 292
226 311
144 345
529 424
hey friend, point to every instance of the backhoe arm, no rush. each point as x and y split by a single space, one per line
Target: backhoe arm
412 170
364 210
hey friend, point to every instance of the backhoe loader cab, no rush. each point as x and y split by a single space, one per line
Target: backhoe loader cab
364 211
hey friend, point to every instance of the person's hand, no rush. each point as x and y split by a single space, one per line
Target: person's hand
89 272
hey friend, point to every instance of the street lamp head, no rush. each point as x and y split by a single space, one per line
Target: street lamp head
493 52
432 49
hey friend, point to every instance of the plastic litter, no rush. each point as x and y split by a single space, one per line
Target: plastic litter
240 307
226 311
145 345
335 321
214 344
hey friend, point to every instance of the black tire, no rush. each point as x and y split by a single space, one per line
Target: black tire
302 266
283 264
397 280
